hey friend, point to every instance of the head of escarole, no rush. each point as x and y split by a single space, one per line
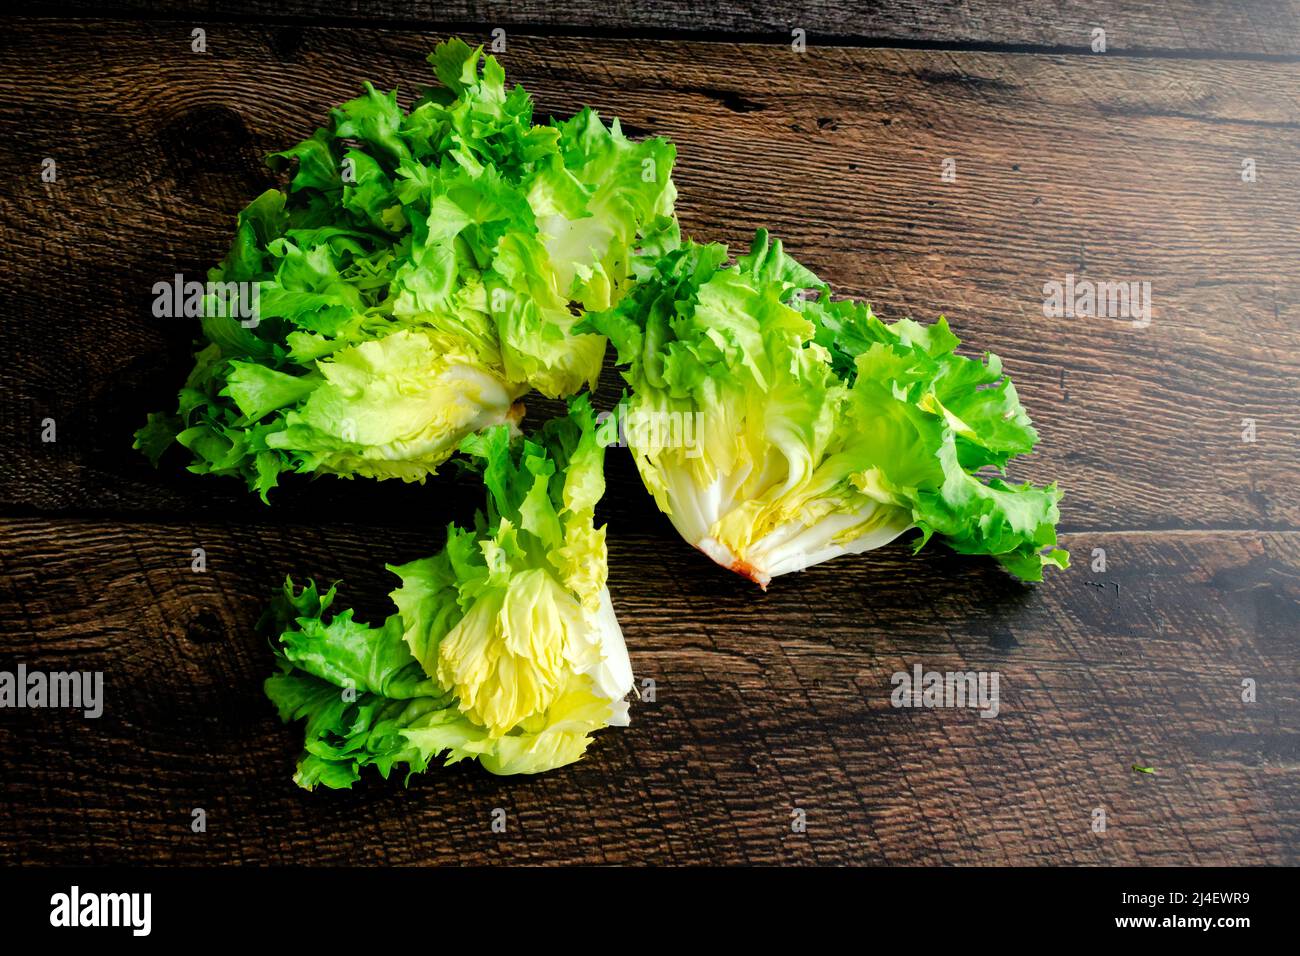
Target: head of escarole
421 271
503 648
815 429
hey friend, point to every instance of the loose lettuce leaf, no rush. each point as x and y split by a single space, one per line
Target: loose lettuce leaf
504 647
423 270
814 428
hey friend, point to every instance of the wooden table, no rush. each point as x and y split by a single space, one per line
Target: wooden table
1122 165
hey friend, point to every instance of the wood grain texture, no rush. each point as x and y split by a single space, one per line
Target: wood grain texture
764 703
1110 168
1269 28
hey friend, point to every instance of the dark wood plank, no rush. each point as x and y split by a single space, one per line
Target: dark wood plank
1270 28
1109 169
764 703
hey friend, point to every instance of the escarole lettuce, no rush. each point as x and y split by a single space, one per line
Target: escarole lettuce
504 647
423 271
778 431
